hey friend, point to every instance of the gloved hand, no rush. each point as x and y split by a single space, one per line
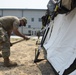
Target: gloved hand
11 44
27 38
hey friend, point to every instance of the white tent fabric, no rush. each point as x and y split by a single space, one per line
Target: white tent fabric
73 73
61 47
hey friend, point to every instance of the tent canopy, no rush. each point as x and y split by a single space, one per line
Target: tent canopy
61 45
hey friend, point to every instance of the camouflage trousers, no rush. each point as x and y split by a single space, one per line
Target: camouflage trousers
4 43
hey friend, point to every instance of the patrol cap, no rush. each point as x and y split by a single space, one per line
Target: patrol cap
24 19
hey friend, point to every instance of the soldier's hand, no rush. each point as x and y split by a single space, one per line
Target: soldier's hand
10 44
27 38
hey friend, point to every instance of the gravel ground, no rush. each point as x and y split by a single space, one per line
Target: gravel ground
24 53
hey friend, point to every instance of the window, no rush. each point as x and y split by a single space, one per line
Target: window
39 20
32 19
32 32
35 32
29 26
29 32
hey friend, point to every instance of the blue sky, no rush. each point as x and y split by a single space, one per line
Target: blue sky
25 4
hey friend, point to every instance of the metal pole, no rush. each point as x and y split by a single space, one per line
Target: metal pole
22 26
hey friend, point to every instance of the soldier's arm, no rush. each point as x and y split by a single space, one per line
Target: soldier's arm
15 30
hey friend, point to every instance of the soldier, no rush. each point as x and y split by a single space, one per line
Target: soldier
7 25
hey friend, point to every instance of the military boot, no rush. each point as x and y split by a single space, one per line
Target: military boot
8 63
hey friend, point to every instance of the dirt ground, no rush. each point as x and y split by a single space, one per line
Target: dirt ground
24 53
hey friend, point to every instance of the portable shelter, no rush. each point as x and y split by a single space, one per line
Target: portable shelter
61 44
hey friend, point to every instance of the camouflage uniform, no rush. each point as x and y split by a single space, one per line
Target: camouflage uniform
6 26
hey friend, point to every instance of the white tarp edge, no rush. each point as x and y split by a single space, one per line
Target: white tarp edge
49 33
61 47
